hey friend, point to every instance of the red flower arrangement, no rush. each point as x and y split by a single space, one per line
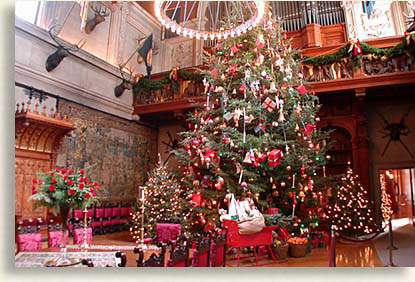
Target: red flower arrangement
63 188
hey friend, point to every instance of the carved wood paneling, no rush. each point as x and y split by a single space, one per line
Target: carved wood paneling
26 169
37 136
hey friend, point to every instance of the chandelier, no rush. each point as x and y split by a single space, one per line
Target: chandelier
238 16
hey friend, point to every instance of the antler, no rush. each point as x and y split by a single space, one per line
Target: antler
71 47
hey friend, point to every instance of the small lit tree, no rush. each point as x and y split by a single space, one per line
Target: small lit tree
162 201
350 212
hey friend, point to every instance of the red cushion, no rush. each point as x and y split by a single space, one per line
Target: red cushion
124 211
78 235
167 232
90 212
181 263
107 212
116 211
55 238
78 214
106 223
200 260
220 255
99 212
96 223
29 242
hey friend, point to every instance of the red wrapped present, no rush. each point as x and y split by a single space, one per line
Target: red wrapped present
301 89
274 157
273 211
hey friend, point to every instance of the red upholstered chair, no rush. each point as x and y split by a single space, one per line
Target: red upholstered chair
78 213
167 232
200 256
116 217
28 237
218 250
96 223
107 220
124 216
78 233
55 234
154 260
179 253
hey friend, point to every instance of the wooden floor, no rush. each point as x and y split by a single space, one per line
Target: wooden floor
354 255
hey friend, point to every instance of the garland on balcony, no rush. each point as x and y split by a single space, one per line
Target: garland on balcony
354 50
145 84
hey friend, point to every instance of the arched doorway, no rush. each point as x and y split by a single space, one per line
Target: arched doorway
341 150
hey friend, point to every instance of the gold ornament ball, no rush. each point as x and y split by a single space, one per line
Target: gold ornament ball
251 180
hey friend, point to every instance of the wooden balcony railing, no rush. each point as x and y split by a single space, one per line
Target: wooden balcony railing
340 75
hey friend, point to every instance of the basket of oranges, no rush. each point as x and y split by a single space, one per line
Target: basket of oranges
298 246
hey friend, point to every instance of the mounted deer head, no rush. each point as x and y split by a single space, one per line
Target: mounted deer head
126 82
99 18
410 20
56 57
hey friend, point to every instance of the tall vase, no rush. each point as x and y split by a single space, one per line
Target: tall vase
64 211
63 259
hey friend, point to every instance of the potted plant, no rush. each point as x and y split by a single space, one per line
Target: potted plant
62 190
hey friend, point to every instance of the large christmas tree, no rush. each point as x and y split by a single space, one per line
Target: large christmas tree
255 135
162 201
350 211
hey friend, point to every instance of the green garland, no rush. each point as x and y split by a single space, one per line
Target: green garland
145 84
356 61
404 47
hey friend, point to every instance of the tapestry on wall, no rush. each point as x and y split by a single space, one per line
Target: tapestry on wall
121 152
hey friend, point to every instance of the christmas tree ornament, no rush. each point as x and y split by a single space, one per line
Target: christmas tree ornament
219 90
275 124
244 185
282 184
272 88
269 104
247 159
260 42
328 157
301 89
275 194
249 119
288 168
274 157
309 128
234 49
